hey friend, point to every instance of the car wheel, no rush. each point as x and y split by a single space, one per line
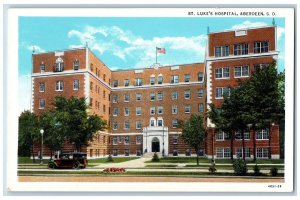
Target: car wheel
51 166
76 165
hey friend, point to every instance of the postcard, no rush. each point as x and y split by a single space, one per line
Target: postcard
150 99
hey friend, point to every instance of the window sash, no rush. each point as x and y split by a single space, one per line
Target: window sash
160 80
187 94
138 97
187 108
174 109
152 80
42 103
200 77
175 123
126 97
240 49
76 85
42 87
126 82
59 86
174 95
200 93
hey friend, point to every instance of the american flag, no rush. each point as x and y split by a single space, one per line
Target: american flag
161 50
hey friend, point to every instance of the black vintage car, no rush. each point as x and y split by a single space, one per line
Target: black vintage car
73 160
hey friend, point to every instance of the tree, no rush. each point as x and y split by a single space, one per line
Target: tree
54 134
193 133
73 118
28 133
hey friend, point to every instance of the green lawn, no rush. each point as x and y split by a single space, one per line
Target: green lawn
27 160
160 166
115 160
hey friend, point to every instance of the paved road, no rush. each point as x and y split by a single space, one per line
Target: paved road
144 179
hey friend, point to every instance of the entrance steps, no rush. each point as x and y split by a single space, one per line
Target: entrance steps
150 155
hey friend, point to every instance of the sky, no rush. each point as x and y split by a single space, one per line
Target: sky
123 43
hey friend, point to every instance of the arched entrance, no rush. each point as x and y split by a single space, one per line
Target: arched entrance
155 145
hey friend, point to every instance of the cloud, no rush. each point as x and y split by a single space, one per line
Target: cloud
125 45
249 24
36 48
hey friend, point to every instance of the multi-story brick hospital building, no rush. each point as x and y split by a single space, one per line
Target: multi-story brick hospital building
142 106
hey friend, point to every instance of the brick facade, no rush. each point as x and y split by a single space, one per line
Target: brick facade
126 98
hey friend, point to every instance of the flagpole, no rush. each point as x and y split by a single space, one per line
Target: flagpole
155 55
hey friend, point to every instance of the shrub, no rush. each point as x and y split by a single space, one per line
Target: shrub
212 169
274 171
256 170
109 158
240 167
155 158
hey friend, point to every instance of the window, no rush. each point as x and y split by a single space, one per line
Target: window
221 135
152 96
159 122
115 111
42 67
91 67
175 123
187 94
241 71
91 102
139 139
59 65
188 152
222 73
76 65
174 109
187 78
126 111
126 82
138 82
174 79
126 125
261 47
175 152
175 139
239 152
115 98
160 110
200 93
187 108
59 86
104 96
200 76
223 152
115 140
104 108
138 110
260 66
222 51
115 83
152 80
221 91
104 77
138 124
160 96
126 152
240 49
239 135
42 87
160 79
262 152
174 95
126 140
200 107
152 110
76 85
91 86
138 152
42 104
115 125
138 97
115 152
152 122
126 97
262 134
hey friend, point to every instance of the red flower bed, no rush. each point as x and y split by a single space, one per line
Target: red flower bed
113 170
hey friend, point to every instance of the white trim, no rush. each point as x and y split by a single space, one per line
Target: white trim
249 55
233 30
87 88
86 58
63 73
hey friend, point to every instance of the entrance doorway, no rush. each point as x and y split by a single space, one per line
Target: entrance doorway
155 145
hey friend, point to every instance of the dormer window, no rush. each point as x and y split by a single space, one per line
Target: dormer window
59 65
160 79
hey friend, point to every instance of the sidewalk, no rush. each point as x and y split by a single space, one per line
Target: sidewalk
136 163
